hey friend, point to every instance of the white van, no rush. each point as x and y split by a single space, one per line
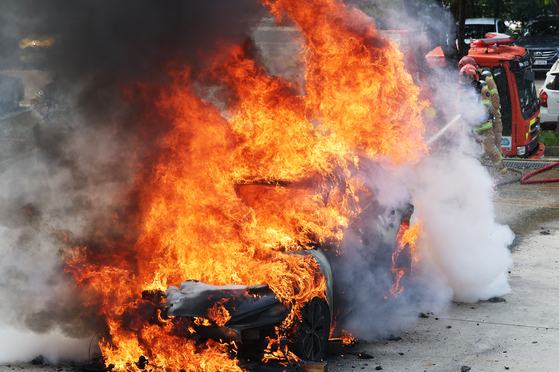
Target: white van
476 28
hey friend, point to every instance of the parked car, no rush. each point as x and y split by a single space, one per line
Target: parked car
255 311
477 28
12 91
549 98
541 38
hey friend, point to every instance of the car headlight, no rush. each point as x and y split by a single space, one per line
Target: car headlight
521 150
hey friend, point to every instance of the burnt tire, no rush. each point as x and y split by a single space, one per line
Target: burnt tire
313 330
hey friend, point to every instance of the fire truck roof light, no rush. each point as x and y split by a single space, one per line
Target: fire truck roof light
492 39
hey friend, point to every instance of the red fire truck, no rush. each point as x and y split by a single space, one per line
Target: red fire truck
511 69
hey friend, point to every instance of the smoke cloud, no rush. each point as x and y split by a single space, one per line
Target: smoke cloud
66 190
71 183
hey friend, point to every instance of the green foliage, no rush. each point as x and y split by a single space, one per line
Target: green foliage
549 138
509 10
514 11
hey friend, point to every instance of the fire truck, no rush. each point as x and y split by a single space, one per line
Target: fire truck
511 69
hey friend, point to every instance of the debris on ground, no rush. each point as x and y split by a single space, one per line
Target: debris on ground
497 299
361 355
40 361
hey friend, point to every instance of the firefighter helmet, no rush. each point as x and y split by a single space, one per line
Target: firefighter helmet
467 60
466 72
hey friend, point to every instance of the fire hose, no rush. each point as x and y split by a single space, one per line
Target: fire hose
446 128
507 182
525 180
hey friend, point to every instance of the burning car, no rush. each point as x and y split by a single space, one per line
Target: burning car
254 312
253 315
247 187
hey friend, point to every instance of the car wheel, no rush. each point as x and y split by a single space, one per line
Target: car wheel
313 330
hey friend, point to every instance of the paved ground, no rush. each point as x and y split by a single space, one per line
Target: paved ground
519 334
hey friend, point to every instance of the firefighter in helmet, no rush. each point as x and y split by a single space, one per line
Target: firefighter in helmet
478 120
495 100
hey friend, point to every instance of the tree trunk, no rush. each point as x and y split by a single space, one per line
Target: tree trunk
448 44
556 6
461 26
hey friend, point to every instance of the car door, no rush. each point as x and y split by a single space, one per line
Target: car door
552 89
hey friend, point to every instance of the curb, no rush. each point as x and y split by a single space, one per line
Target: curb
551 151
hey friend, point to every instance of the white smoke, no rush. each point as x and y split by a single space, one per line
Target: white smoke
453 196
18 345
465 255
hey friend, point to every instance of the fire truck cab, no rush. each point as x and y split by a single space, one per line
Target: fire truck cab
510 66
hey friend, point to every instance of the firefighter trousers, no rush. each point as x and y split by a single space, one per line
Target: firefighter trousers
487 140
498 132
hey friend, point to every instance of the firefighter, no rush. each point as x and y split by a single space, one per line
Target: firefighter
45 101
495 100
479 123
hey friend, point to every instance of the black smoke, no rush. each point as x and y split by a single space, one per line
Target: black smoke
74 186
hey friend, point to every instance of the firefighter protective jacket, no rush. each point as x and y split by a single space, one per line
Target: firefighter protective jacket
474 103
492 86
45 98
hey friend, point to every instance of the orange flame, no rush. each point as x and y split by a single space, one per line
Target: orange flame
219 314
346 338
234 189
405 251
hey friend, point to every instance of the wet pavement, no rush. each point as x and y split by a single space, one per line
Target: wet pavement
529 207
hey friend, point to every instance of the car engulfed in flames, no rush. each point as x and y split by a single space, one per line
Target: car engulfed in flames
250 314
256 320
258 200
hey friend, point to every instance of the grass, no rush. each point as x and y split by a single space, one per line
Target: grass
549 138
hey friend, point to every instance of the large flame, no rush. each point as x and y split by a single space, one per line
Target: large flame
267 172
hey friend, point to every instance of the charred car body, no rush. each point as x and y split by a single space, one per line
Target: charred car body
255 311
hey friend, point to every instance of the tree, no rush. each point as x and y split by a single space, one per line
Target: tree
553 3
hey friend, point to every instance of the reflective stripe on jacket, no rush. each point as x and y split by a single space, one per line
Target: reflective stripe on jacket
482 127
